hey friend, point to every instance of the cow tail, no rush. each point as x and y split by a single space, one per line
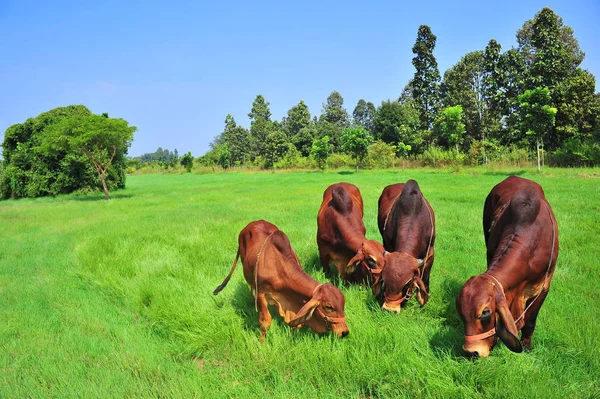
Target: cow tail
224 283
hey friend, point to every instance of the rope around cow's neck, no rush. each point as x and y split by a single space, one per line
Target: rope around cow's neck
256 271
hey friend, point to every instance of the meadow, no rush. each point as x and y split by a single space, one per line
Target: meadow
114 298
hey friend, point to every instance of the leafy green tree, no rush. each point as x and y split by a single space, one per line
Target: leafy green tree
237 139
275 148
356 143
36 166
449 127
425 84
396 123
260 127
99 138
552 55
463 85
298 117
334 111
187 161
303 140
260 109
321 148
549 48
363 115
332 130
538 115
222 156
493 96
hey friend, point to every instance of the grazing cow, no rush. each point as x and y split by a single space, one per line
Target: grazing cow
407 225
273 271
521 236
341 235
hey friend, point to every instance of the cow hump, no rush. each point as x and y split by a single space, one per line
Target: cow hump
411 197
341 200
525 206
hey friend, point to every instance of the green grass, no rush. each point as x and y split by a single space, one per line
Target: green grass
114 299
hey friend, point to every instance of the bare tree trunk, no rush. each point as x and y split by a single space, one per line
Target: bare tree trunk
543 154
104 186
538 153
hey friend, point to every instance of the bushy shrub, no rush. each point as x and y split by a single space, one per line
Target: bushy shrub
381 155
293 159
337 160
436 156
576 153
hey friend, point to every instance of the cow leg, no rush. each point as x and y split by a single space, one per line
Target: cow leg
264 317
530 319
324 257
427 269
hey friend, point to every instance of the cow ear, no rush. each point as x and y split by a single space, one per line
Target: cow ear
306 312
505 326
422 295
355 262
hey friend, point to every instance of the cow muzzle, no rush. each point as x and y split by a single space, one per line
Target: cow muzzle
391 307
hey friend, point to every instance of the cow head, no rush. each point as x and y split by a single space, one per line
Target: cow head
369 257
482 306
324 311
400 278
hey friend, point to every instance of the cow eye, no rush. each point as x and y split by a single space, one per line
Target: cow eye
485 315
329 308
371 261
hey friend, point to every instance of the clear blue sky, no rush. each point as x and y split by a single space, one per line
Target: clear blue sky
176 69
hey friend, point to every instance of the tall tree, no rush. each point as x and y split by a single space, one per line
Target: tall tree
237 139
537 114
363 114
553 56
493 95
260 109
298 117
425 84
260 126
463 85
334 111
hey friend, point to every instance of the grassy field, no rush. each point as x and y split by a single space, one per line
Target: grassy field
114 299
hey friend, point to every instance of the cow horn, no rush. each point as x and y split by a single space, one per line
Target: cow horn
420 262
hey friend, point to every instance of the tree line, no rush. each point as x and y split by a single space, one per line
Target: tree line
532 97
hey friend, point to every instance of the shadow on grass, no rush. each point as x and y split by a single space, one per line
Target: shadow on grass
101 197
449 339
346 172
505 173
313 265
243 305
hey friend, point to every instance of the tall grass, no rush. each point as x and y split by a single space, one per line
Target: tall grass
114 298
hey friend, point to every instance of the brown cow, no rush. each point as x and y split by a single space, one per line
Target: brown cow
341 235
521 236
273 271
407 225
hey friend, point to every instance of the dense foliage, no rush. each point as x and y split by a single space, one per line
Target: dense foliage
476 110
64 150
